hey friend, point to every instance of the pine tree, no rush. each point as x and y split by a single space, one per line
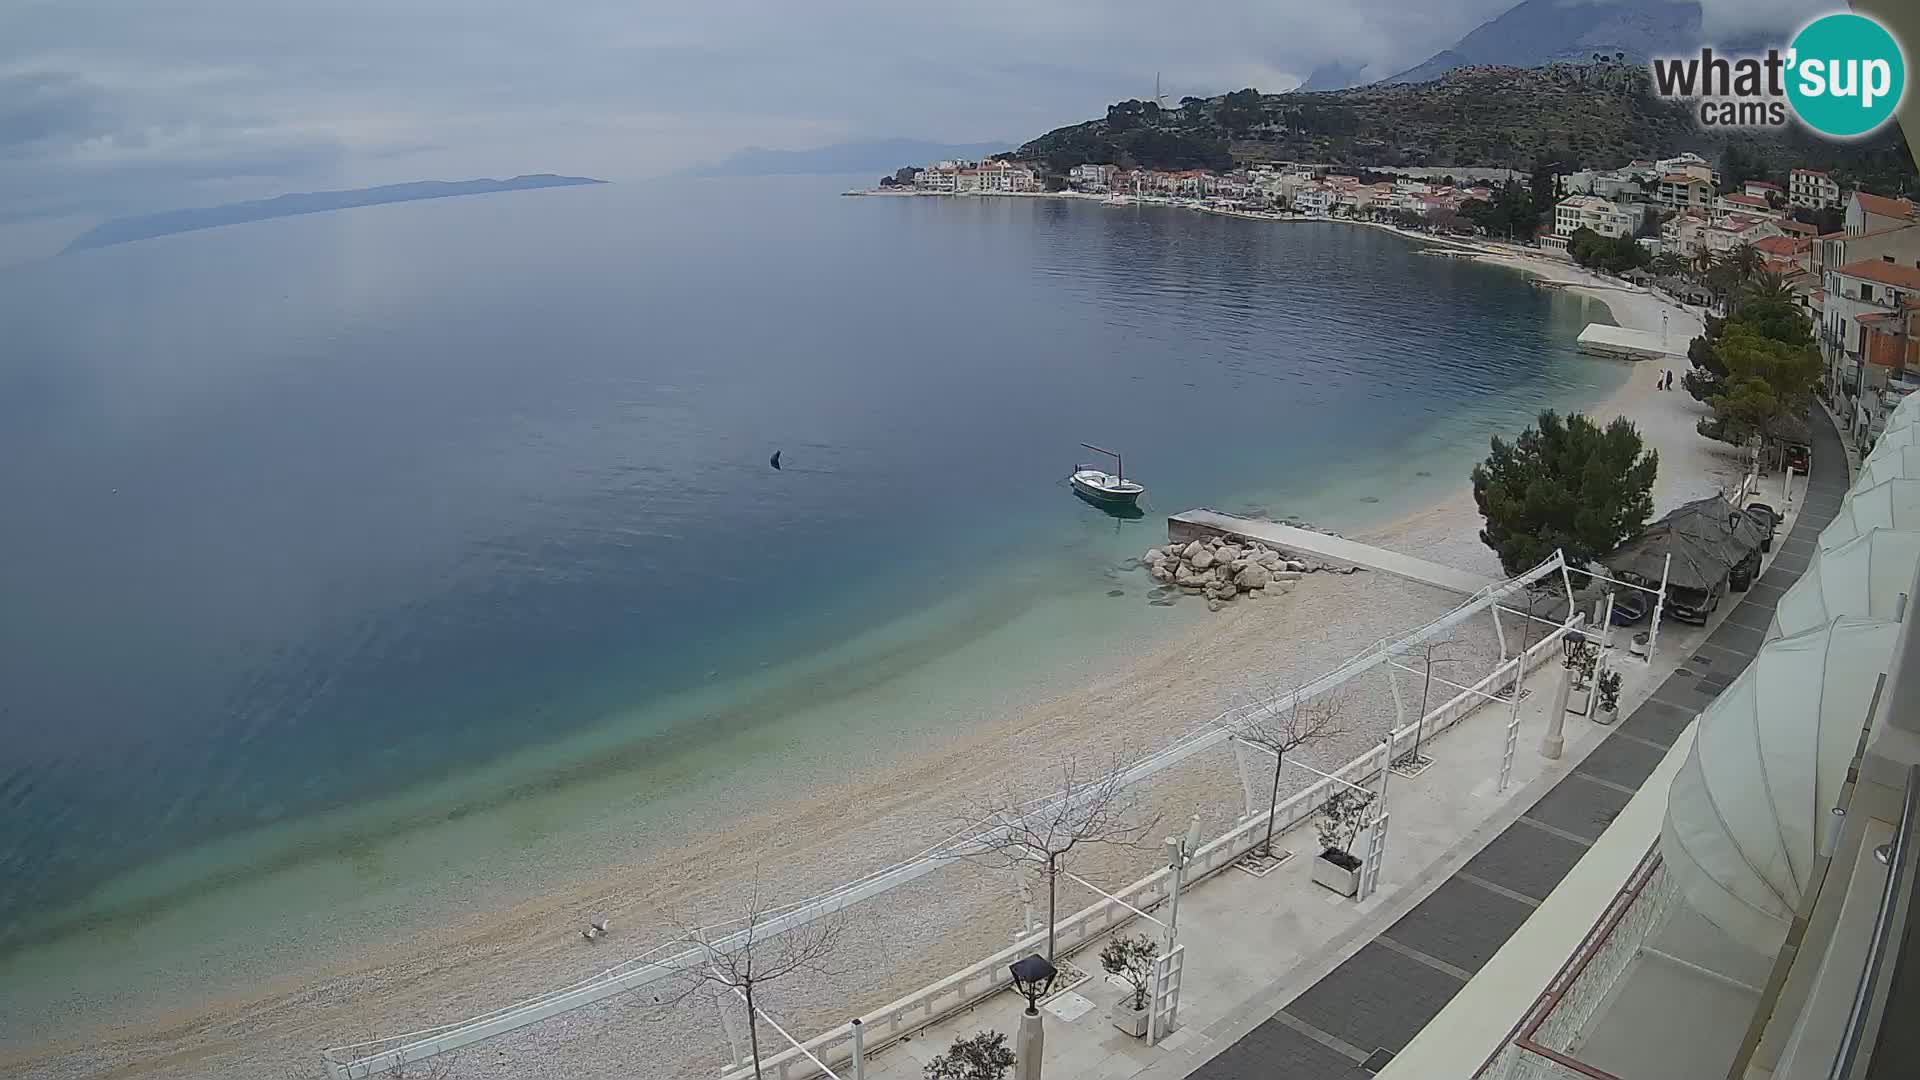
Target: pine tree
1566 485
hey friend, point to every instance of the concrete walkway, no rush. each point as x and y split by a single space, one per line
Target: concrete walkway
1247 937
1323 548
1349 1024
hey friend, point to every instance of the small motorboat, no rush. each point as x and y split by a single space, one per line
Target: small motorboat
1094 484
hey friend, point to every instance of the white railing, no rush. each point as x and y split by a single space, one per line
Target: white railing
936 1001
369 1058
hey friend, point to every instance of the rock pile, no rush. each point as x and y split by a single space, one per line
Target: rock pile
1221 569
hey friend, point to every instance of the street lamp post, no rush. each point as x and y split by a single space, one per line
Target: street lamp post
1033 977
1555 741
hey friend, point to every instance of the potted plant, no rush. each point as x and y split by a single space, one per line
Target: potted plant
1131 959
1582 662
1341 818
980 1056
1609 684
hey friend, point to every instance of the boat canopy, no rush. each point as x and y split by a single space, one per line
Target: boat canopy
1706 538
1890 504
1747 812
1865 576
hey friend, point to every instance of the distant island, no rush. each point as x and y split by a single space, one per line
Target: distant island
147 226
840 159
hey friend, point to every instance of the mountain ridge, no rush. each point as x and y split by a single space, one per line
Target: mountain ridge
127 230
1585 115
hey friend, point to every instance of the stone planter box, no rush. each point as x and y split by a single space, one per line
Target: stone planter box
1128 1019
1336 877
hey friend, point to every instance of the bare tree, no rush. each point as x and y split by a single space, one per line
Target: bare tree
1283 725
1088 811
744 956
1437 652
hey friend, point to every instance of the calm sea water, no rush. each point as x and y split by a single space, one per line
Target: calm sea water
412 507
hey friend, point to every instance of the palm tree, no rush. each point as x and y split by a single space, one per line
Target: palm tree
1703 260
1746 261
1768 287
1668 264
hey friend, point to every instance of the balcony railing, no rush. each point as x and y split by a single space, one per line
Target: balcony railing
1539 1048
1869 1002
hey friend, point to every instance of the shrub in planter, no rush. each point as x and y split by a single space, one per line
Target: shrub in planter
980 1056
1131 959
1609 685
1341 819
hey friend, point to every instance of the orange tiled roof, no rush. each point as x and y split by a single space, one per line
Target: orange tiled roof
1881 206
1885 273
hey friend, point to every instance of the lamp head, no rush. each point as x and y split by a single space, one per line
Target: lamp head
1033 977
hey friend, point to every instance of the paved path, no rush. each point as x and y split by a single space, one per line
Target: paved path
1351 1023
1321 547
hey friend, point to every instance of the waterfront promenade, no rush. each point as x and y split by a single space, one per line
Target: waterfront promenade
1285 979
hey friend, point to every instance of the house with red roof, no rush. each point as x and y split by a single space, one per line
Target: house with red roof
1751 205
1867 212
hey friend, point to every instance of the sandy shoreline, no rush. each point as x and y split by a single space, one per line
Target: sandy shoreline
800 845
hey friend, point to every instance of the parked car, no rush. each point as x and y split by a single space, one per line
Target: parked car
1694 605
1740 578
1630 606
1799 458
1767 516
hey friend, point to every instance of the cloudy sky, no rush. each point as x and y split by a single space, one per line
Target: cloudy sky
112 106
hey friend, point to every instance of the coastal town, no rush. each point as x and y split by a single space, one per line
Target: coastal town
1851 257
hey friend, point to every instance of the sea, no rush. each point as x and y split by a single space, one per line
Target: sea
363 564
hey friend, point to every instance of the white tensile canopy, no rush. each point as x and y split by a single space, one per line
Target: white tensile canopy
1905 413
1890 504
1888 462
1748 809
1907 435
1864 576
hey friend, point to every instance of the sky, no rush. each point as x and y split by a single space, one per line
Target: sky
117 106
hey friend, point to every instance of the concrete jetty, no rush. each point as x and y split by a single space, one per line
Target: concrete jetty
1319 547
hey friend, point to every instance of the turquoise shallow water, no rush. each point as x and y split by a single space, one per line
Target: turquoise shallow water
378 561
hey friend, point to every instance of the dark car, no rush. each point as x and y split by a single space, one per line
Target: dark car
1798 458
1767 516
1694 605
1630 606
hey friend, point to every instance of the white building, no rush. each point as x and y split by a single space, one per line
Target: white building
1812 188
1607 218
1092 177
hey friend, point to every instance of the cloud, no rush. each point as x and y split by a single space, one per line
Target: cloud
108 107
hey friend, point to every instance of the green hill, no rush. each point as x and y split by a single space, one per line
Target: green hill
1580 115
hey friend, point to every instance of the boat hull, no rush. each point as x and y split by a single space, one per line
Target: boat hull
1101 493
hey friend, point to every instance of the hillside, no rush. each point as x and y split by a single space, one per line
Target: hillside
1577 115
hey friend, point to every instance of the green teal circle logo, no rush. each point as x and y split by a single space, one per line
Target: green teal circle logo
1847 75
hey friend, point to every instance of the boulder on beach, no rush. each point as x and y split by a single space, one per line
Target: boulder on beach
1153 555
1252 576
1286 575
1228 553
1216 604
1196 547
1202 559
1296 566
1160 572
